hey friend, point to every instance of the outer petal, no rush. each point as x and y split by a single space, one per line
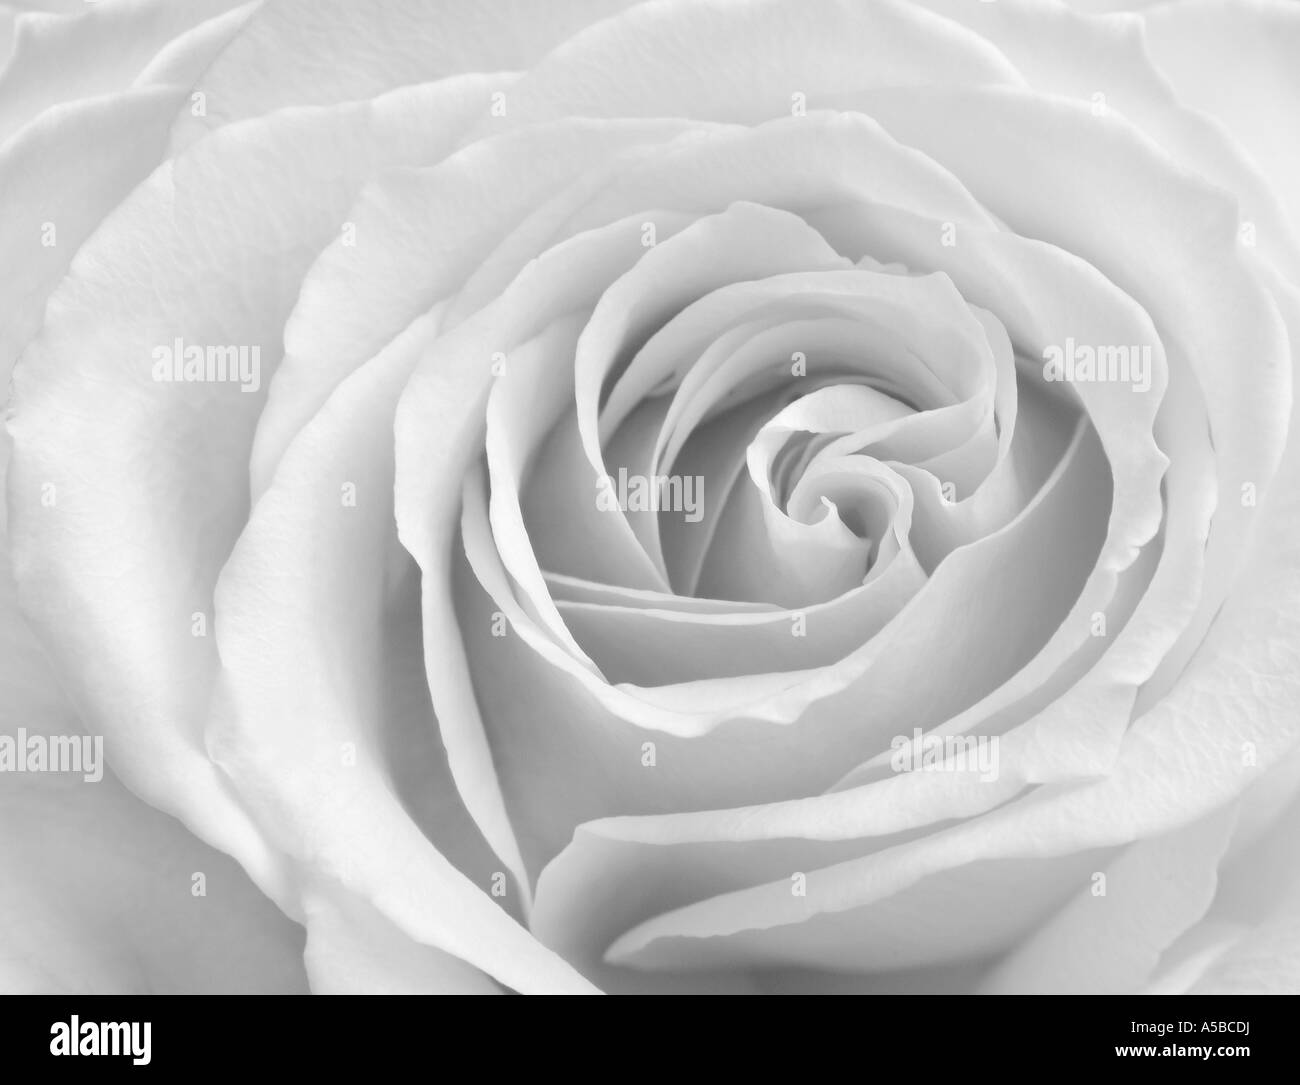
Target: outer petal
307 704
1236 60
159 469
362 50
99 890
58 58
1109 940
353 950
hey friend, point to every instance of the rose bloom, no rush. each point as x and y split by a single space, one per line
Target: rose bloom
693 495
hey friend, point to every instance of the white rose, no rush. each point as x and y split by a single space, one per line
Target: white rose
954 343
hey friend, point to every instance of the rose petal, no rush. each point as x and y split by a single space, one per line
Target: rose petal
744 62
322 806
186 57
88 421
1108 62
1110 942
100 49
439 425
358 53
100 894
418 234
1188 43
794 164
353 950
